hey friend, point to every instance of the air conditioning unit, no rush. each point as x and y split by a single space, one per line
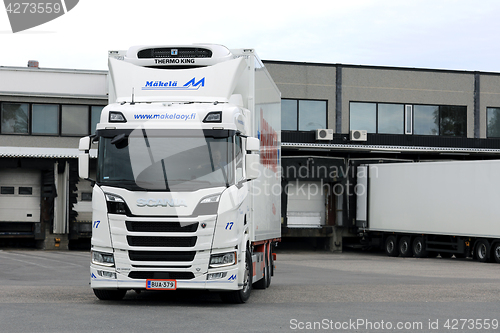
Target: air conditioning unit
324 134
358 135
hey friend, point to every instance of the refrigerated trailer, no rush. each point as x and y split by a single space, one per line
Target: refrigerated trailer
186 194
430 208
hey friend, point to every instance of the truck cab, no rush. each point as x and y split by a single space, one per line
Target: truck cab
179 152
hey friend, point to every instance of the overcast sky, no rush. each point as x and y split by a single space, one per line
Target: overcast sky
445 34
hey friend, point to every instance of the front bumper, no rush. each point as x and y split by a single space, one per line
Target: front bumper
123 281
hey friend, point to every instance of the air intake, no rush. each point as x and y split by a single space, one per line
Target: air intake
167 52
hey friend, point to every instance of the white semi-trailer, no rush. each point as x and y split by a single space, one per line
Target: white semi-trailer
188 173
430 208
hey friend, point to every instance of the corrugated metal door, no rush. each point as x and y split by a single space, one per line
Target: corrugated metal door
20 195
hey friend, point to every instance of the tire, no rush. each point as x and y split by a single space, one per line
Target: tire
405 248
482 247
110 294
271 265
242 295
265 281
495 252
391 246
419 247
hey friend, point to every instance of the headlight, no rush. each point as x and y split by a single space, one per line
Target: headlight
116 204
212 199
103 259
222 259
208 205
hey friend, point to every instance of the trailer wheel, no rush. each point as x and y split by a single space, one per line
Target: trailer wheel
405 249
110 295
391 246
496 252
482 250
241 296
419 247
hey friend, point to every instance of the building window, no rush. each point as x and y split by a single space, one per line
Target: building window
390 118
86 196
303 115
75 120
493 122
363 116
95 117
24 190
289 112
45 119
386 118
440 120
426 120
14 118
7 190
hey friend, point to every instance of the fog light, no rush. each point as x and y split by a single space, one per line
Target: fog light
222 259
215 276
110 275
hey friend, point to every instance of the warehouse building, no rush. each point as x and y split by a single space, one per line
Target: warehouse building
334 117
43 114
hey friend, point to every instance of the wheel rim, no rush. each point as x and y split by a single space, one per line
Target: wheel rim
481 251
390 246
418 247
404 247
246 285
497 252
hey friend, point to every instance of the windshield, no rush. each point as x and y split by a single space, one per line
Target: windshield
166 160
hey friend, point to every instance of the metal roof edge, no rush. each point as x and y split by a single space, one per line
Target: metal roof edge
38 152
394 149
53 95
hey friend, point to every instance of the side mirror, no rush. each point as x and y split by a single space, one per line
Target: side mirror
84 144
253 144
252 166
84 165
84 158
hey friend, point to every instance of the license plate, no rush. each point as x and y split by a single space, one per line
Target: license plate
161 284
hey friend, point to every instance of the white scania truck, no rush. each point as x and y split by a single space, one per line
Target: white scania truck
187 194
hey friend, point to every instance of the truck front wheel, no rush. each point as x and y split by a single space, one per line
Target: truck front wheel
110 295
242 295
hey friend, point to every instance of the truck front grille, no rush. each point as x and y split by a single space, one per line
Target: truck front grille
161 241
161 255
161 275
161 226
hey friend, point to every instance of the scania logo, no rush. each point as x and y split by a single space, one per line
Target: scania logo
151 202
